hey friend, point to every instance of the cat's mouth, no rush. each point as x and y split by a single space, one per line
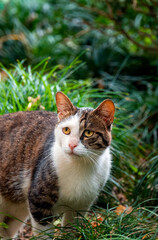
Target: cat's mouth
72 153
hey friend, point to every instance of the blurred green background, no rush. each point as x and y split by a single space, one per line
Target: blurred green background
90 50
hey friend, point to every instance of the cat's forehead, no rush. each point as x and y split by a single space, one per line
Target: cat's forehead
85 109
83 118
74 121
71 121
76 116
84 112
90 120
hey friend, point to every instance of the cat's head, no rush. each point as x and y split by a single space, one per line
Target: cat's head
83 130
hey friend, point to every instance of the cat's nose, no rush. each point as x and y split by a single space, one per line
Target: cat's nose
72 145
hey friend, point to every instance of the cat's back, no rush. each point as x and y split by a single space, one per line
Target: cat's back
25 119
25 124
23 137
20 131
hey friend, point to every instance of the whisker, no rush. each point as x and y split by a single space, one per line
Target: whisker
92 160
46 157
44 152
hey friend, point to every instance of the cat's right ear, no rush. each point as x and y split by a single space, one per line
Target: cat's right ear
64 106
106 111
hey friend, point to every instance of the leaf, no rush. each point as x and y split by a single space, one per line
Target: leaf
95 224
4 225
146 237
100 219
122 209
137 21
57 223
32 102
134 168
3 76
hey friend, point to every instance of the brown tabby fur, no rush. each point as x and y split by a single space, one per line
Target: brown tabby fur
23 136
24 140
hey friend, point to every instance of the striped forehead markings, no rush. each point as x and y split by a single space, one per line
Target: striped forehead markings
84 118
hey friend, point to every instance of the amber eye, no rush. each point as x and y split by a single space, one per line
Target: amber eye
88 133
66 130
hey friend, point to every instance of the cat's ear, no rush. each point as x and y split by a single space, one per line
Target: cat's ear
106 111
64 106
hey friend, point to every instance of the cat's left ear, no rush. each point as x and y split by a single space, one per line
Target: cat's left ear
64 106
106 111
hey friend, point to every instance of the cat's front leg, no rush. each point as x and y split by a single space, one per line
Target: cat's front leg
41 219
68 218
42 196
42 231
72 217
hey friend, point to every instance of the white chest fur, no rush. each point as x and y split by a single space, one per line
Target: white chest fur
80 181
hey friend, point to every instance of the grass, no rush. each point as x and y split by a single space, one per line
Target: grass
140 223
134 175
23 83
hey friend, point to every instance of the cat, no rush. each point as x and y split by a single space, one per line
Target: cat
52 164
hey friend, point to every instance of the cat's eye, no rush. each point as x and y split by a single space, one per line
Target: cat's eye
88 133
66 130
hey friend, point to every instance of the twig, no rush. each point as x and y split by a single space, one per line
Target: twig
137 43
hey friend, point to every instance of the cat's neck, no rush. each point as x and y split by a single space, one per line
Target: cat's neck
77 175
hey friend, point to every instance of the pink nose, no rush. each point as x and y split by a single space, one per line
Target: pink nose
72 145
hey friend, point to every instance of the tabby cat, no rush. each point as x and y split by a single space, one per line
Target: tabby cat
52 164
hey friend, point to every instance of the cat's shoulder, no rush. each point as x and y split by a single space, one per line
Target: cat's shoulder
29 115
27 119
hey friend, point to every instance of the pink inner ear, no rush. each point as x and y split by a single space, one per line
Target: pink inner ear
106 111
64 105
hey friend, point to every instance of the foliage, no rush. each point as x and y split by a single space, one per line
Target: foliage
62 29
91 51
